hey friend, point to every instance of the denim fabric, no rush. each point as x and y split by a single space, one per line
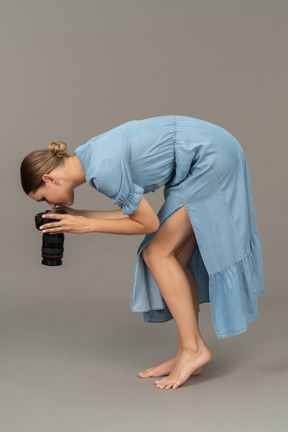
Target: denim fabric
203 167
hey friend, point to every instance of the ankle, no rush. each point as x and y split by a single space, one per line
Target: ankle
193 346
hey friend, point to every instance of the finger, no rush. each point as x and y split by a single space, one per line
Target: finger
54 216
54 230
61 208
49 225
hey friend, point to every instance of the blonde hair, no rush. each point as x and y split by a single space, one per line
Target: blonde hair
40 162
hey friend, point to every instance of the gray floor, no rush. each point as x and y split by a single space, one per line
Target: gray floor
68 368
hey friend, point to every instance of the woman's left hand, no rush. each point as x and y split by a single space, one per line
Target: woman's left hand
67 224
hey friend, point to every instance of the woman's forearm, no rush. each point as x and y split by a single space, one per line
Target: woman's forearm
142 221
124 225
93 214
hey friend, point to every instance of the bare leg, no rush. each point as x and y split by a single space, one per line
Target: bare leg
173 283
183 256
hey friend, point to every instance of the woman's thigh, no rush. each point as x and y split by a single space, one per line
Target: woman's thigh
171 237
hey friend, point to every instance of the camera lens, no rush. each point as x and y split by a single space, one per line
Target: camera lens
52 249
52 244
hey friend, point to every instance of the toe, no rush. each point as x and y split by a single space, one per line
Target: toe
161 383
147 373
177 384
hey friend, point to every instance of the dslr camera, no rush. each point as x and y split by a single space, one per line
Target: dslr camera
52 244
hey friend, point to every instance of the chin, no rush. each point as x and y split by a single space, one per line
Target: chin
70 197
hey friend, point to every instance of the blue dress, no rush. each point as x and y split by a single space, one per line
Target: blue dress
203 167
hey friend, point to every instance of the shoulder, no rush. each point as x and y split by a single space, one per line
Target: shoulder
110 146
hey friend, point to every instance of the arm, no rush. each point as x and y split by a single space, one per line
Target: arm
92 214
142 221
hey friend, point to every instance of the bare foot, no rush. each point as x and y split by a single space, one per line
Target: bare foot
187 363
164 369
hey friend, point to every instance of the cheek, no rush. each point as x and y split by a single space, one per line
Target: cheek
64 194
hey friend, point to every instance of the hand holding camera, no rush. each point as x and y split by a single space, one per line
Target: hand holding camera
52 244
68 210
53 225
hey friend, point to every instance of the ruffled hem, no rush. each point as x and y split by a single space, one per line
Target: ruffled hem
133 200
234 290
232 293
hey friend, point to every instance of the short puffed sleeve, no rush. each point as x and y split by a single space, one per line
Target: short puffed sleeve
112 177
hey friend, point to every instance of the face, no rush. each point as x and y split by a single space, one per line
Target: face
54 194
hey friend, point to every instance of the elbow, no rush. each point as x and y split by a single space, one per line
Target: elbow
153 228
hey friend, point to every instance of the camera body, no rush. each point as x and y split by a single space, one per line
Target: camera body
52 244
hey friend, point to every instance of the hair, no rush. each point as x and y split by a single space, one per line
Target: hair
40 162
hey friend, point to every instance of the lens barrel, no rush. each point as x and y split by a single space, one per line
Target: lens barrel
52 249
52 244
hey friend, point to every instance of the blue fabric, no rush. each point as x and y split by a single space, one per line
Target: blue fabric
203 167
112 177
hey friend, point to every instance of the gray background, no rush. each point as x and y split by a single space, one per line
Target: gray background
70 349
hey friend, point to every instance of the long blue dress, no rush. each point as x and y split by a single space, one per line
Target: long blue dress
203 167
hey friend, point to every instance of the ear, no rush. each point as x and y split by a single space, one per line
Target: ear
49 178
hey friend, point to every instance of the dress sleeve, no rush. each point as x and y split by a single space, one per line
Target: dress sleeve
113 178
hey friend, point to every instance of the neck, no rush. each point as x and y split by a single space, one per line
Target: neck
73 171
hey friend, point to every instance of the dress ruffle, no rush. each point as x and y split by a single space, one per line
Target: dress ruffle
133 200
232 292
240 284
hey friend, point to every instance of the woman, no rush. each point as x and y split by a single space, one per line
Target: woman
202 246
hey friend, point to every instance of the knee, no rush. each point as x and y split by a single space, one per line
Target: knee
151 255
147 255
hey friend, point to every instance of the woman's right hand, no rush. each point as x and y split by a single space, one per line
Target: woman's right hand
69 210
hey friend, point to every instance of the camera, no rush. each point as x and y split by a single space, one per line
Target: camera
52 244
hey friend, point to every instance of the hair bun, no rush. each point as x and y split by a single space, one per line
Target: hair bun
58 148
